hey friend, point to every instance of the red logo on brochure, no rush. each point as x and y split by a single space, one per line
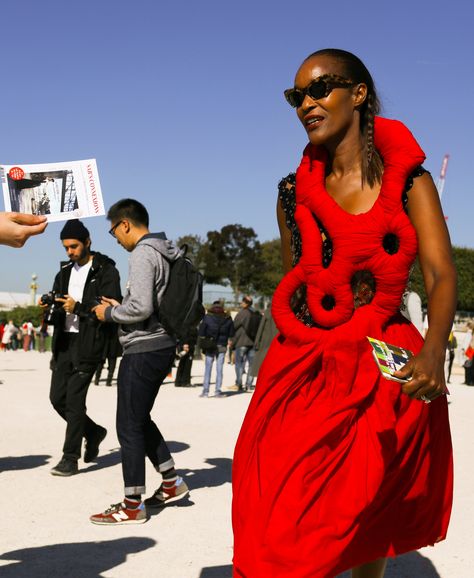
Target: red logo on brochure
16 173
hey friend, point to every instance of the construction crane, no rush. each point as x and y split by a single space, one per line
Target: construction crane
442 176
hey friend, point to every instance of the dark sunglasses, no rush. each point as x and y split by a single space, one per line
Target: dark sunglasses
319 88
112 230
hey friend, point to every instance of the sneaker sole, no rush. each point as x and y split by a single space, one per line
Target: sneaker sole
166 502
61 474
121 523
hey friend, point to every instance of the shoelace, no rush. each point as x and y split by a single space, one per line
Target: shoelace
115 508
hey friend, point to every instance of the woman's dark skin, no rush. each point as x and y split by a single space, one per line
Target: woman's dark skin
338 130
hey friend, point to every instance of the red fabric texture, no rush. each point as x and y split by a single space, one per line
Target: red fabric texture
335 466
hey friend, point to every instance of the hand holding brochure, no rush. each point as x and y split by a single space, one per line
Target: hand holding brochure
389 358
61 191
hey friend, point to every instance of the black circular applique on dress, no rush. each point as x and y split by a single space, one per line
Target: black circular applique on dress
391 243
328 302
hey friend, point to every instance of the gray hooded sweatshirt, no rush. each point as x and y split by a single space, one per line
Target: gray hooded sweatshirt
148 275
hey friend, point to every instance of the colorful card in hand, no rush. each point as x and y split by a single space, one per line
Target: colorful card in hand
389 358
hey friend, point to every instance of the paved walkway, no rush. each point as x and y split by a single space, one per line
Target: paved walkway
46 532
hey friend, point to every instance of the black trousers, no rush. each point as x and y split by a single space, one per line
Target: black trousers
183 373
139 379
68 395
111 364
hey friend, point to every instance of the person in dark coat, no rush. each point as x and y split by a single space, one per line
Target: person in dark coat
267 330
186 355
78 340
246 325
215 332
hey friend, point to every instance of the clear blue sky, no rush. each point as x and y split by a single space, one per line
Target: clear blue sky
181 103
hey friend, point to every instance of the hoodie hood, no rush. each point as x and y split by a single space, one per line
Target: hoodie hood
160 243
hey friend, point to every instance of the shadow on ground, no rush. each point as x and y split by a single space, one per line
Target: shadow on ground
22 462
112 458
219 474
176 447
216 572
407 566
81 560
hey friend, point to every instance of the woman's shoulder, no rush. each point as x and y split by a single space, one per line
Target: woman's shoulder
286 192
418 172
287 184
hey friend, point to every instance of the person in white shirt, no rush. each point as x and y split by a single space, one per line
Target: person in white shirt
78 340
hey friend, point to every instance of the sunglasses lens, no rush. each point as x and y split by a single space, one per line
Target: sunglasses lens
294 97
317 89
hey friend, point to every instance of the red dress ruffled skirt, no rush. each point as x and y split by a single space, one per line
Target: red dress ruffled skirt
335 466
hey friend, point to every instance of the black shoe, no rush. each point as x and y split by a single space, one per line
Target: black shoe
93 443
109 384
65 468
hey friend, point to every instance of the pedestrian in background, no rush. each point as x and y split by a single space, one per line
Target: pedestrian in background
246 325
215 333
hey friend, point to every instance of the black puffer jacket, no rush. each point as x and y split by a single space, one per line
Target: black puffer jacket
217 324
103 280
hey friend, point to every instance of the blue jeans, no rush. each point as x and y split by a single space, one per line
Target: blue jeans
243 355
219 370
139 380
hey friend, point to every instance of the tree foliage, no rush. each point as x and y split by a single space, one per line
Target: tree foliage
19 315
271 272
232 256
464 262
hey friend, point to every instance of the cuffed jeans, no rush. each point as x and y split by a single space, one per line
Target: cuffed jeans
68 395
139 379
243 355
208 369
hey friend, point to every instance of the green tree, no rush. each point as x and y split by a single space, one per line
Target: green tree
271 272
19 315
232 256
464 262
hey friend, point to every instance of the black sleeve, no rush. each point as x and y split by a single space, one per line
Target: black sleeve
108 285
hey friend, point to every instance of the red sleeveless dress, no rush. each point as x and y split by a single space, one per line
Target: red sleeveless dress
335 466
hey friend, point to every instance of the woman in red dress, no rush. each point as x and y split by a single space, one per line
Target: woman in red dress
337 467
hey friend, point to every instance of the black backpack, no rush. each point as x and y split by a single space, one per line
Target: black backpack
181 308
254 323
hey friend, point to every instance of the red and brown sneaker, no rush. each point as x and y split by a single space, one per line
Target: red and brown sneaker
167 493
121 513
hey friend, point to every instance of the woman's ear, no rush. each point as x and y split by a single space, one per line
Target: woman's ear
359 94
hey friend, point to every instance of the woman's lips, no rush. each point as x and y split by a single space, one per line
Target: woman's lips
313 122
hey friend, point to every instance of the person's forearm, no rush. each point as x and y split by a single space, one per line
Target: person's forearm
442 302
133 311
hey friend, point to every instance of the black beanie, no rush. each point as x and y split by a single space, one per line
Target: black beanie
74 229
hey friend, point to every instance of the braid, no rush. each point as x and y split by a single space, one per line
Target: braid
372 166
369 123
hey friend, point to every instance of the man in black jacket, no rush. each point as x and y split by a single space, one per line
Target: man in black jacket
78 340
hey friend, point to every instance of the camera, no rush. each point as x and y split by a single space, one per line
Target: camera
49 299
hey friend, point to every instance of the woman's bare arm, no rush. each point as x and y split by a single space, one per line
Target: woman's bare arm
439 274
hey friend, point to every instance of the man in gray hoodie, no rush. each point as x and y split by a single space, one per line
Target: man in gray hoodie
148 353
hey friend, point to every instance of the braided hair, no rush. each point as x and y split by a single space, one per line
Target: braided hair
354 69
